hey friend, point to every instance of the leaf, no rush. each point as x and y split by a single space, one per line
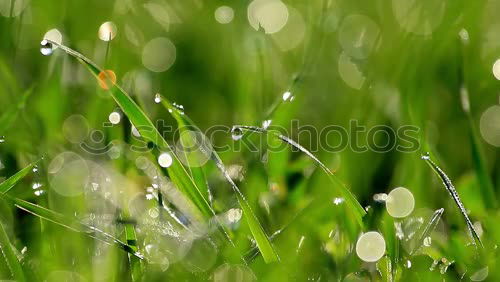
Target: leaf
263 243
10 256
350 199
12 181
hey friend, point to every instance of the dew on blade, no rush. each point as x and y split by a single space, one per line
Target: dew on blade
46 48
236 133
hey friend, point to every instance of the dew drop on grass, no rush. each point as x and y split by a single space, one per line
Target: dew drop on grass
370 246
165 159
427 241
46 48
338 201
114 117
266 123
157 98
236 133
380 197
400 202
408 264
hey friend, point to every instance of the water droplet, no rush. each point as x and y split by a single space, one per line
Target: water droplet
106 79
338 201
135 132
399 230
370 246
38 192
236 133
165 160
426 156
380 197
433 265
46 48
287 95
427 241
114 117
107 31
408 264
157 98
35 169
266 123
36 185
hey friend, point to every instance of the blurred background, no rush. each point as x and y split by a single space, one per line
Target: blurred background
430 64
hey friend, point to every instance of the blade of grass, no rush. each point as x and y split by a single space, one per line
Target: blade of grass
262 240
429 227
147 130
485 183
71 224
11 181
9 255
454 194
351 200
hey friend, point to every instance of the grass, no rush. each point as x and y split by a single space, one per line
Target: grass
106 211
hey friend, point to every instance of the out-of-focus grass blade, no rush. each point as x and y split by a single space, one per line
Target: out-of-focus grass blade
146 128
8 117
263 243
429 227
11 181
485 183
454 194
9 255
74 225
354 206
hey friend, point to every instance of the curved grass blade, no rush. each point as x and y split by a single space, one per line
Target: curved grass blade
147 130
11 181
262 240
9 255
73 225
351 200
429 227
454 194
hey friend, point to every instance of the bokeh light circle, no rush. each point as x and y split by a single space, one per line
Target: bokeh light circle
370 246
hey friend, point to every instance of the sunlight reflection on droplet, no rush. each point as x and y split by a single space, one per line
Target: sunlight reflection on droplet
157 98
75 129
359 36
271 15
165 159
55 36
400 202
114 117
224 14
370 246
489 125
349 72
107 31
135 132
159 54
496 69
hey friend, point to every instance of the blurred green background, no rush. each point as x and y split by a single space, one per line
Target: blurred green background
430 64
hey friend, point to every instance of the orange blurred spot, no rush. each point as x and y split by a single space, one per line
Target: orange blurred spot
106 79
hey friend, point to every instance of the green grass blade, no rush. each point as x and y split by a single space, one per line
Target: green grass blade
71 224
146 128
454 194
354 206
11 181
263 243
9 255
